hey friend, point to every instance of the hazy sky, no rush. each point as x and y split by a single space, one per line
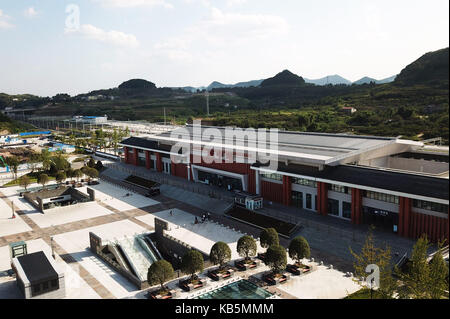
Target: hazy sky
44 51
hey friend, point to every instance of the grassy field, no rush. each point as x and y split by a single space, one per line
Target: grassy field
33 179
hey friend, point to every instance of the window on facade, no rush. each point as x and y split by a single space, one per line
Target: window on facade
346 210
435 207
382 197
304 182
44 287
339 189
308 201
273 176
297 199
166 167
333 207
54 283
36 289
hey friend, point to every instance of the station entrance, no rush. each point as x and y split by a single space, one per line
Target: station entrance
381 219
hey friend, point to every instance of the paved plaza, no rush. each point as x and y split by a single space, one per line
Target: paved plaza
115 215
119 198
77 245
201 236
76 287
8 225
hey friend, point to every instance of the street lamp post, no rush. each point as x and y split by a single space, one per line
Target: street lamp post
53 250
12 207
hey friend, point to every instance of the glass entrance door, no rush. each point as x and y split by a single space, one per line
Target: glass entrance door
166 167
297 199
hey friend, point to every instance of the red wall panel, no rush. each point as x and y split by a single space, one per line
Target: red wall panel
432 226
272 191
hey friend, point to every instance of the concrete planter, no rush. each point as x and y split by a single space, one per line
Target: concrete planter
219 275
276 280
247 264
186 285
171 294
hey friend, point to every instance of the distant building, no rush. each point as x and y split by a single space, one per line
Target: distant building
95 97
91 119
349 110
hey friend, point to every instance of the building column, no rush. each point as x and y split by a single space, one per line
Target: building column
404 216
136 157
159 166
287 189
257 183
173 169
125 152
322 198
147 159
356 206
251 180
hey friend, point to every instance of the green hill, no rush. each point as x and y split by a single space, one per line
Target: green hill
431 68
285 78
137 84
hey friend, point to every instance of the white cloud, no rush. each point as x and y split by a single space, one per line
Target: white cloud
205 3
135 3
31 12
224 30
231 3
116 38
4 21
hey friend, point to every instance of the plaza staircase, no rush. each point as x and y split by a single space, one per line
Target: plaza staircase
138 254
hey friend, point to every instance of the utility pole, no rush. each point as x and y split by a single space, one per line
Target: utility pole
164 116
207 102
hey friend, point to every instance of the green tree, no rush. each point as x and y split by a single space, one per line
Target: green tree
276 258
115 140
24 181
60 177
43 179
299 249
438 275
77 174
13 163
246 247
91 163
99 166
60 162
269 237
69 173
220 254
192 262
372 255
160 272
91 172
424 279
45 158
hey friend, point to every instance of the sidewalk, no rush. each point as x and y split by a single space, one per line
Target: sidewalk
165 179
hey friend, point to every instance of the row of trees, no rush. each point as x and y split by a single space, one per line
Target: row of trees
59 168
220 254
420 279
98 138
